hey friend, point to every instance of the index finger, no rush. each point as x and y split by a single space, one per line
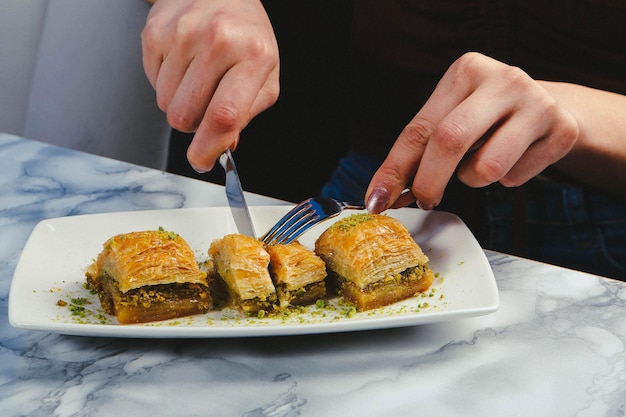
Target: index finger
401 164
231 108
431 146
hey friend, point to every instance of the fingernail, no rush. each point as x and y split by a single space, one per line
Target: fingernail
378 200
425 206
198 170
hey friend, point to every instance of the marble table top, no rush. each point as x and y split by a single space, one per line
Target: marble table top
555 347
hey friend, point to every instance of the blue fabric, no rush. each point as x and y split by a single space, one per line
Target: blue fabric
562 224
558 223
350 180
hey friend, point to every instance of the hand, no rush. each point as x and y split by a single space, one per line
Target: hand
214 65
486 121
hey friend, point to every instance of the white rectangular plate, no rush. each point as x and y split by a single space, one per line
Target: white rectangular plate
52 265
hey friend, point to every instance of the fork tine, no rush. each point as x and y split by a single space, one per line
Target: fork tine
286 221
304 216
297 228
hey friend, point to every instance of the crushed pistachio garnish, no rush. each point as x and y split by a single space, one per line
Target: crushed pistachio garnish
352 220
77 306
170 235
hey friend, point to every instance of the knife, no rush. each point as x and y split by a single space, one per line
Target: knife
234 194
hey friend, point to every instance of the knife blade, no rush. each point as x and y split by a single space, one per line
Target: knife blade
234 194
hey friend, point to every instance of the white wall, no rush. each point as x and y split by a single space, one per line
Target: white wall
86 88
20 31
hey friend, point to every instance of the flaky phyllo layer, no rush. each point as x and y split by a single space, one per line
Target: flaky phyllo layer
264 278
374 260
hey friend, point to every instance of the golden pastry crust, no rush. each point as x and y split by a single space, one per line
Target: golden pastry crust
242 262
298 274
148 276
374 259
153 257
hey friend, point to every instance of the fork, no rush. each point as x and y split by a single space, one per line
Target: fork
304 216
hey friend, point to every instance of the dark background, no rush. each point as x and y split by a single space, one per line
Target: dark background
291 149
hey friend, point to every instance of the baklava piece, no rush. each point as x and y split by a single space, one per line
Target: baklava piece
242 263
374 260
298 274
148 276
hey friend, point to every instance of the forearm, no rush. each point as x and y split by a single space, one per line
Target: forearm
599 155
